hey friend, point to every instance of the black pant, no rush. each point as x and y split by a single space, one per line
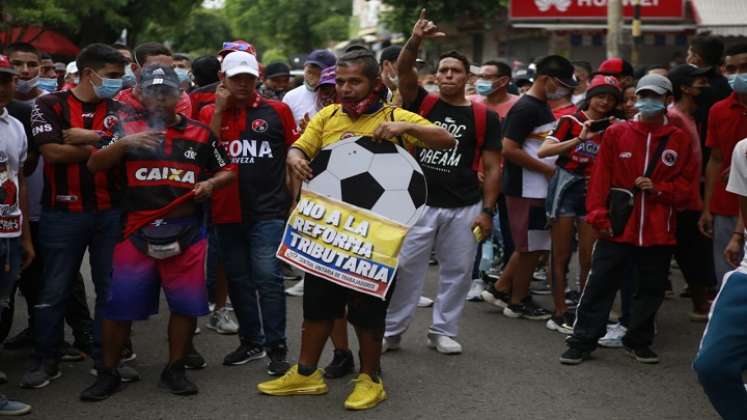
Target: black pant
694 252
77 314
607 275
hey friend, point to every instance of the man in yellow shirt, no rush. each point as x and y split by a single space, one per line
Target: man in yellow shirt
362 112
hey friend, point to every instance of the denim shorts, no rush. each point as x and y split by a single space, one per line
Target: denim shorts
572 202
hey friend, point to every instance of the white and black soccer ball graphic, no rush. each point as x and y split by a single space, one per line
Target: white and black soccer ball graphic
377 176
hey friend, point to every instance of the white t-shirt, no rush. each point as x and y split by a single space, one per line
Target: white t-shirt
301 101
13 148
738 182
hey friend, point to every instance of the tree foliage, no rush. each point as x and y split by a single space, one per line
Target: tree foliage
202 32
290 26
403 13
94 21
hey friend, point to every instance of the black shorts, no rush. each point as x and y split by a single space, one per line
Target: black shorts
326 301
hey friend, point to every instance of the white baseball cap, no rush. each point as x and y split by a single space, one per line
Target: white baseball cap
72 68
239 62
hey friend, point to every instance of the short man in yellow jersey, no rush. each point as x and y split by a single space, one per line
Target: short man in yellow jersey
362 112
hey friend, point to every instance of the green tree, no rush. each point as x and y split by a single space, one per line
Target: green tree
404 13
291 26
200 33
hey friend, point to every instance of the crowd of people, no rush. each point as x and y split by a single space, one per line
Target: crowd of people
179 174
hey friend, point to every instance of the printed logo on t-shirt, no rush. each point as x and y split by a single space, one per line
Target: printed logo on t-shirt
164 175
625 155
247 151
444 160
260 125
190 154
110 122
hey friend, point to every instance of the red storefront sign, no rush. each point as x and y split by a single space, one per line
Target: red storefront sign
592 9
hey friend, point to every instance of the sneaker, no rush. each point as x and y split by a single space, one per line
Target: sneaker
14 408
572 297
290 273
540 274
614 336
342 364
295 290
71 354
574 356
495 297
643 354
527 310
41 374
390 343
278 364
126 373
293 383
425 302
561 323
540 288
222 322
444 344
366 394
493 273
698 316
127 354
246 352
107 383
197 330
174 380
475 291
21 340
194 360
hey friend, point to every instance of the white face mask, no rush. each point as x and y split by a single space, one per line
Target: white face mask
26 86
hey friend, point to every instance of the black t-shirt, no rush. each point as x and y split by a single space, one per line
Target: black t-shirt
528 122
719 89
450 176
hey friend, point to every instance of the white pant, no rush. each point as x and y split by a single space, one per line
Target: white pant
455 245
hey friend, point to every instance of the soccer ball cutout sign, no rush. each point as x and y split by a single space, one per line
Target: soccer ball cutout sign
380 177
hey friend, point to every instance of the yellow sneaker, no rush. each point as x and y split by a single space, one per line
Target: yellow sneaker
293 383
366 394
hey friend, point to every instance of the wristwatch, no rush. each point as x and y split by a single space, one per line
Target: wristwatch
490 212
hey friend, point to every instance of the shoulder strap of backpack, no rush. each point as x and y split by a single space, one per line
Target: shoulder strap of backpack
427 104
655 158
480 113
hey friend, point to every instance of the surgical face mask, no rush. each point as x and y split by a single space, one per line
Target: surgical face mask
26 86
182 74
739 82
108 88
484 87
560 92
649 107
129 77
48 84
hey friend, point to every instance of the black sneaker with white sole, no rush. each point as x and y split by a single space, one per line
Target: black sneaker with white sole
41 374
342 364
643 354
527 310
278 364
572 297
562 323
495 297
194 360
574 356
245 353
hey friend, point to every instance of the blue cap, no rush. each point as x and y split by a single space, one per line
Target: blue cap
321 58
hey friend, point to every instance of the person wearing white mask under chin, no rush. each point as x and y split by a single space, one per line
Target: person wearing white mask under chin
27 62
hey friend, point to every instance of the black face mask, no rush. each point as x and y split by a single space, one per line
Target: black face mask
704 96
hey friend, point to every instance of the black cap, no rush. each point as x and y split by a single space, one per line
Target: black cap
558 67
685 74
353 47
276 69
390 53
158 75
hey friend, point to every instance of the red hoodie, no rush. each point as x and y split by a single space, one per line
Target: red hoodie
626 149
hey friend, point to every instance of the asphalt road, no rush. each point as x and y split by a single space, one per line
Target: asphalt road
509 370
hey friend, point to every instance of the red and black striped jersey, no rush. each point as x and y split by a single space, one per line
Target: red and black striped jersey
155 179
580 159
71 186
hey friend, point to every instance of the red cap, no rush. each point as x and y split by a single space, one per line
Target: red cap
5 65
603 84
615 67
238 45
